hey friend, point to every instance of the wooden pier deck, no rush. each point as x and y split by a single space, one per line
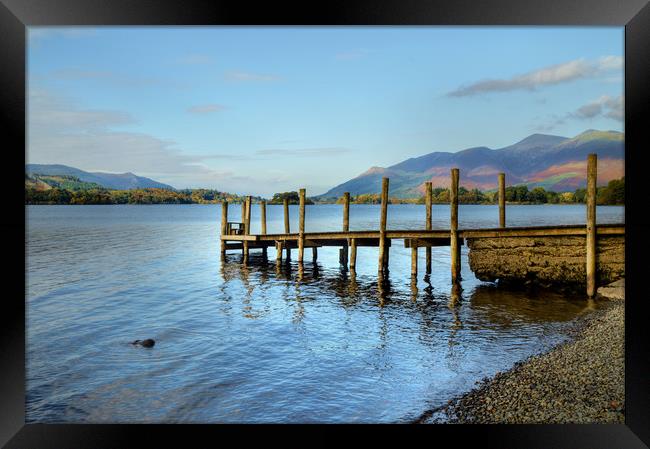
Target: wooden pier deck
237 236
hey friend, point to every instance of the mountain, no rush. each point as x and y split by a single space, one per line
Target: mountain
553 162
116 181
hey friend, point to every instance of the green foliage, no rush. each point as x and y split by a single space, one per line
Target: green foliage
292 197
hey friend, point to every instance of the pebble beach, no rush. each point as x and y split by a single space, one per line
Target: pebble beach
580 381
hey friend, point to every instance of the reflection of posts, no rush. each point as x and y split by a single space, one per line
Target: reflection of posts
414 288
454 246
591 225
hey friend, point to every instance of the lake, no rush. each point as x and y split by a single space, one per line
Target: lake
258 343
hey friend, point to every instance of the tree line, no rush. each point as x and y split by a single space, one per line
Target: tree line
58 195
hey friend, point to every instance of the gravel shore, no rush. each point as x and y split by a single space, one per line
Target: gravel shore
581 381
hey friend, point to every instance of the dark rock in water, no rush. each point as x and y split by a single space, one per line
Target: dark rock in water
148 343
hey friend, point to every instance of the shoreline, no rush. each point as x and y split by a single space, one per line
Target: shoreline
581 380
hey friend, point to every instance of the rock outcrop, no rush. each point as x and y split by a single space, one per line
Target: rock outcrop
546 261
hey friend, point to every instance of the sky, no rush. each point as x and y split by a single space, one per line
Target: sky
259 110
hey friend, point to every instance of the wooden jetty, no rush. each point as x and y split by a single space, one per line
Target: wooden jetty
237 236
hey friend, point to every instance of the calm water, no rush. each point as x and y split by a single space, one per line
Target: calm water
263 343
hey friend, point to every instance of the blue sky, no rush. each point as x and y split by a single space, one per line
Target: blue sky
258 110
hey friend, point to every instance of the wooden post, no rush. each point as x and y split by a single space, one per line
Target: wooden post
382 225
243 218
314 253
428 200
224 225
301 227
353 254
592 165
247 226
455 248
278 251
263 223
502 200
414 259
343 257
286 224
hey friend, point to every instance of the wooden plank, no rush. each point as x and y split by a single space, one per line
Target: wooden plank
592 166
428 243
382 225
301 227
428 201
224 225
502 200
454 246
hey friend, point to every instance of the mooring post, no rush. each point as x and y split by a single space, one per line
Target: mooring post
285 202
314 253
263 223
243 219
592 165
428 200
353 254
247 225
278 251
454 246
301 227
224 225
414 259
502 200
382 226
343 255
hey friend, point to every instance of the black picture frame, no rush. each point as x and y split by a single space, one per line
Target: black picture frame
15 15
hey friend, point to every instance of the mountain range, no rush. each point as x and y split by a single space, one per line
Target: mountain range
553 162
116 181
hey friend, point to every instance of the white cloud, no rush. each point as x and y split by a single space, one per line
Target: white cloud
546 76
605 106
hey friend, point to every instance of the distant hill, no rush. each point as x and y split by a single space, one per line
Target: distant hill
553 162
116 181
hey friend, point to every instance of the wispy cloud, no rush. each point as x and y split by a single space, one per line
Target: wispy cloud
546 76
205 108
61 132
235 75
604 106
304 152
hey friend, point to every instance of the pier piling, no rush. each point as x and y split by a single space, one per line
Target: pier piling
247 225
353 254
414 261
454 246
592 165
301 227
263 223
382 227
343 255
502 200
429 225
285 203
224 225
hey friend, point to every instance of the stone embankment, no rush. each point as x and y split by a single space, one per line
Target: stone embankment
546 261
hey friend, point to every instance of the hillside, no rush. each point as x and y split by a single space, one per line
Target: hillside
116 181
553 162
